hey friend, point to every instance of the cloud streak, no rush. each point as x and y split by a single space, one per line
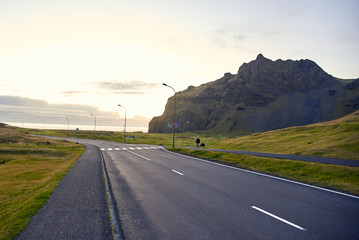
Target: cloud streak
13 108
71 93
133 87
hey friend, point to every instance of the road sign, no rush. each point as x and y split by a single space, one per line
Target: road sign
170 124
176 124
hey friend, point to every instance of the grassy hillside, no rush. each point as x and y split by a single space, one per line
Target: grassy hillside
30 168
338 139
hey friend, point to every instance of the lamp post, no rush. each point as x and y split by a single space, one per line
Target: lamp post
174 115
94 126
124 131
68 124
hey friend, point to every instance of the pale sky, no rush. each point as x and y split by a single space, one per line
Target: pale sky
104 53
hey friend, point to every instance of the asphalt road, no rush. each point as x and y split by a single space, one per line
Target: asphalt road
162 195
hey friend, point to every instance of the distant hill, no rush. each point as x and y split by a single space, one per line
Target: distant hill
264 95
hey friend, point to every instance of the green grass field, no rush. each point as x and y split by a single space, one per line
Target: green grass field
337 139
30 168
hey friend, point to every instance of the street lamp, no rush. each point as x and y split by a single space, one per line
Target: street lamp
68 124
124 131
174 115
94 126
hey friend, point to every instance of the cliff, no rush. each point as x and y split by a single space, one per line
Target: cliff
264 95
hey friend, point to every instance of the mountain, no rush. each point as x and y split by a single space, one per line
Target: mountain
264 95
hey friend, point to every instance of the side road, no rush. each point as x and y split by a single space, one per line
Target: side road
325 160
77 209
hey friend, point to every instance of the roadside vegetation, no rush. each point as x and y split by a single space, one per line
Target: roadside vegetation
337 139
30 168
340 178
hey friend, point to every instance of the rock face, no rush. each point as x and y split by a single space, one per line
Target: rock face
263 95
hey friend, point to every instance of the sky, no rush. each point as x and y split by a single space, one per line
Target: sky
81 56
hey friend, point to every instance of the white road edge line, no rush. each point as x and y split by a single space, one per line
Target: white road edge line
278 218
266 175
139 155
177 172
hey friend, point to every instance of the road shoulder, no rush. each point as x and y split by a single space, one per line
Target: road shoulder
77 209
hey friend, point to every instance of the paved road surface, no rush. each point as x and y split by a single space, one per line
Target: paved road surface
162 195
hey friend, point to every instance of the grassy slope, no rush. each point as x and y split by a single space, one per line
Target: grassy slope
32 169
338 138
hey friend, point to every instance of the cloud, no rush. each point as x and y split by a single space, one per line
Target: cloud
71 93
128 92
13 108
297 10
133 87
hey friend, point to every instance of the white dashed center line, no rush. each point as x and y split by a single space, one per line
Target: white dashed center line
177 172
278 218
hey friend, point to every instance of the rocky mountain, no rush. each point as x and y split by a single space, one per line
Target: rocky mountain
264 95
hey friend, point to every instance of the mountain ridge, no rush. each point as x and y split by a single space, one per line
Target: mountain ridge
263 95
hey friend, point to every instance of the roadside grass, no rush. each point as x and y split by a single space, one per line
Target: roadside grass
30 168
340 178
337 139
